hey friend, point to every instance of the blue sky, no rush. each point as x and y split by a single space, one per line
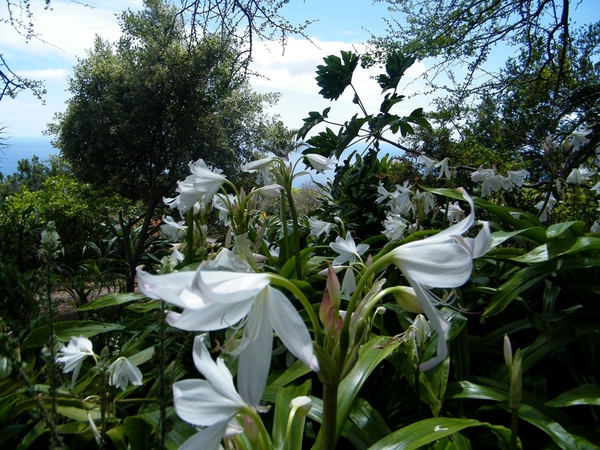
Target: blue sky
69 29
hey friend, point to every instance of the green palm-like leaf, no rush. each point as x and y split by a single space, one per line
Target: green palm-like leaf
336 75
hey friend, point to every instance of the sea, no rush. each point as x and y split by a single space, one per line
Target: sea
15 148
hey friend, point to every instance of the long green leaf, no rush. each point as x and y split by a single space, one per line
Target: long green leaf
65 330
587 394
111 300
557 433
282 411
370 426
421 433
519 282
369 357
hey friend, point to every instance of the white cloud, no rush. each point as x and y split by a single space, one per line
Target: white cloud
45 74
67 29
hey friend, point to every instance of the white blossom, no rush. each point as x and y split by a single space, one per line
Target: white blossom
73 354
347 250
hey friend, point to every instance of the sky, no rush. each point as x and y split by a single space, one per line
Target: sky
68 30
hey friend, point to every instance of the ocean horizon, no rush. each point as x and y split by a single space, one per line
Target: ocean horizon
24 147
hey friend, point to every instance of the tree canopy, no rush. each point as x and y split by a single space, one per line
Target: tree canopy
143 108
146 106
548 85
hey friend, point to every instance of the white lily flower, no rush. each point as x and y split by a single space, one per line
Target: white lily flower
319 163
175 230
73 354
212 402
201 185
580 175
207 180
227 260
122 372
444 260
176 256
428 162
431 164
258 165
319 227
596 188
549 207
548 144
383 194
428 200
395 227
263 167
221 203
216 300
517 177
482 174
454 213
270 191
347 250
579 137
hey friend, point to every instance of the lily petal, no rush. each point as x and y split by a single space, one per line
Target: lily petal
165 287
229 287
216 373
214 316
291 329
198 403
437 322
208 438
439 264
255 357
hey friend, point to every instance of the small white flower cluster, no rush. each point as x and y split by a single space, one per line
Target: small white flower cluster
404 206
494 182
578 176
122 372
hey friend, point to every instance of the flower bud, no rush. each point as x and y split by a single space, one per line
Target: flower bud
250 429
407 299
508 356
301 405
516 381
333 287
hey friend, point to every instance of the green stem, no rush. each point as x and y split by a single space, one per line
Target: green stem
328 428
52 340
57 441
514 426
288 428
284 247
264 441
364 279
163 388
296 232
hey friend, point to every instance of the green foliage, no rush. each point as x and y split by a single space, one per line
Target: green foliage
144 107
72 205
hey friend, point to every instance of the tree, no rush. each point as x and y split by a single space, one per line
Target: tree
19 17
145 107
505 106
469 33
